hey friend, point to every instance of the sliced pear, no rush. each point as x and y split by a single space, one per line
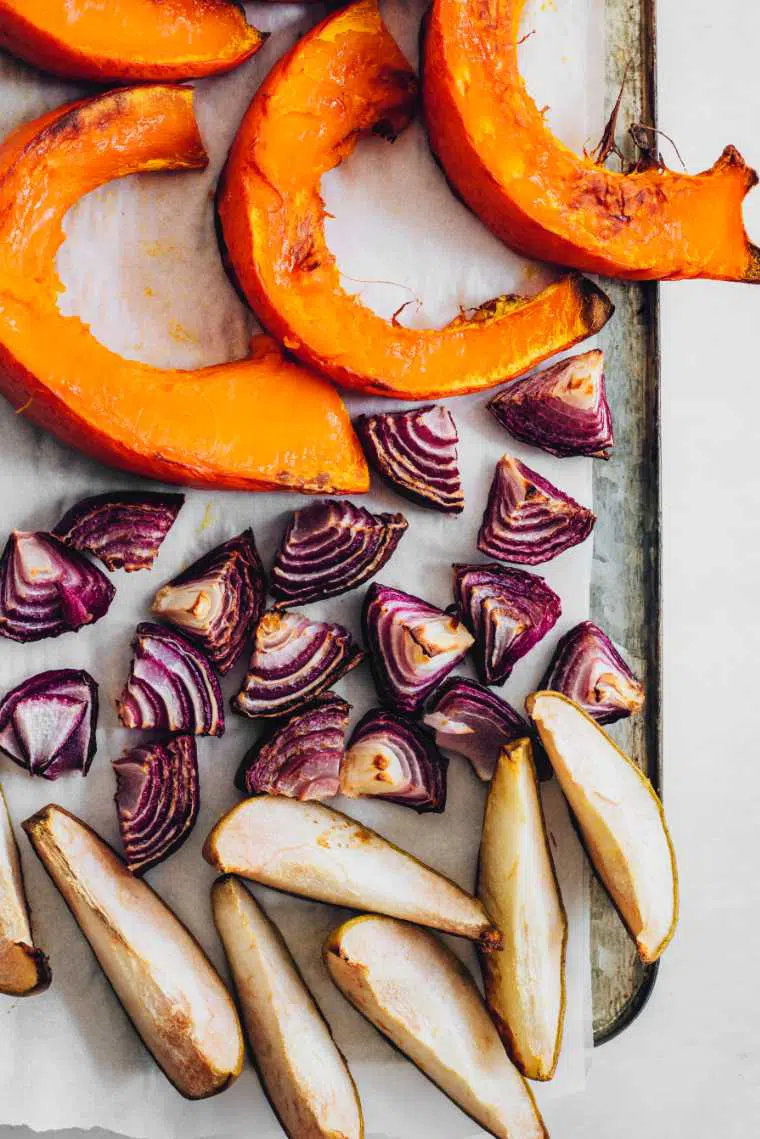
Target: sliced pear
303 1072
24 970
524 984
416 992
620 818
312 850
168 987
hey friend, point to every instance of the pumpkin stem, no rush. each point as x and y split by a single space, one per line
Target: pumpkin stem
607 144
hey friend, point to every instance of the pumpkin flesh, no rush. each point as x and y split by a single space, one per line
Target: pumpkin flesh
232 425
545 201
131 40
347 78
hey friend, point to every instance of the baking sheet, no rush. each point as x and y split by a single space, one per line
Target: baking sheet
141 266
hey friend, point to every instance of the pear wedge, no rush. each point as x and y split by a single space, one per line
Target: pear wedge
517 883
168 987
304 1074
415 991
24 970
315 851
619 816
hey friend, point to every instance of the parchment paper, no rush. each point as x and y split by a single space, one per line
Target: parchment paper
141 265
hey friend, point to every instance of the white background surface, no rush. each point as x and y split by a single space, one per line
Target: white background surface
691 1065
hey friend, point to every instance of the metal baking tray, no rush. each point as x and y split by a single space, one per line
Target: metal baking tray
625 584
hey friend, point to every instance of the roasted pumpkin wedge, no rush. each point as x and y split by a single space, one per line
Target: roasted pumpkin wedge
347 78
545 201
128 40
257 424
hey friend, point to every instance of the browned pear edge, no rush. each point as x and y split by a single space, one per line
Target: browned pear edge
219 885
502 1026
32 955
489 937
37 822
648 959
332 946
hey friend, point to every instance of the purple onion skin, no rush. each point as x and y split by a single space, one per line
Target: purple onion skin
218 600
330 548
294 660
171 686
507 610
300 758
587 668
48 723
528 520
46 589
562 409
123 529
415 451
470 720
382 731
157 800
413 646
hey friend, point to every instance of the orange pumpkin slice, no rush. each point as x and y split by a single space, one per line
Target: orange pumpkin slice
541 198
255 424
128 40
344 79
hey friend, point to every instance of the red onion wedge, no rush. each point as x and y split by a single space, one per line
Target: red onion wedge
157 800
416 452
123 529
413 646
218 600
390 757
331 547
588 669
527 519
47 589
508 610
294 660
563 409
171 686
302 757
48 722
472 721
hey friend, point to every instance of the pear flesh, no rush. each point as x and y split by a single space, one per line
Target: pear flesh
24 970
312 850
168 987
305 1076
525 983
416 992
620 818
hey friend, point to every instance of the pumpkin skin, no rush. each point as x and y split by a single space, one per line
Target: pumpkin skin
343 79
128 40
542 199
256 424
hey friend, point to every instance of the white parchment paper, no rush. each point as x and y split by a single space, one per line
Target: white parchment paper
141 265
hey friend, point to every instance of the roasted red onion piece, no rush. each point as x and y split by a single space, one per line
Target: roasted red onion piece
48 722
218 600
123 529
527 519
508 610
171 686
331 547
416 452
302 757
47 589
563 409
588 669
294 660
157 800
472 721
390 757
413 646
